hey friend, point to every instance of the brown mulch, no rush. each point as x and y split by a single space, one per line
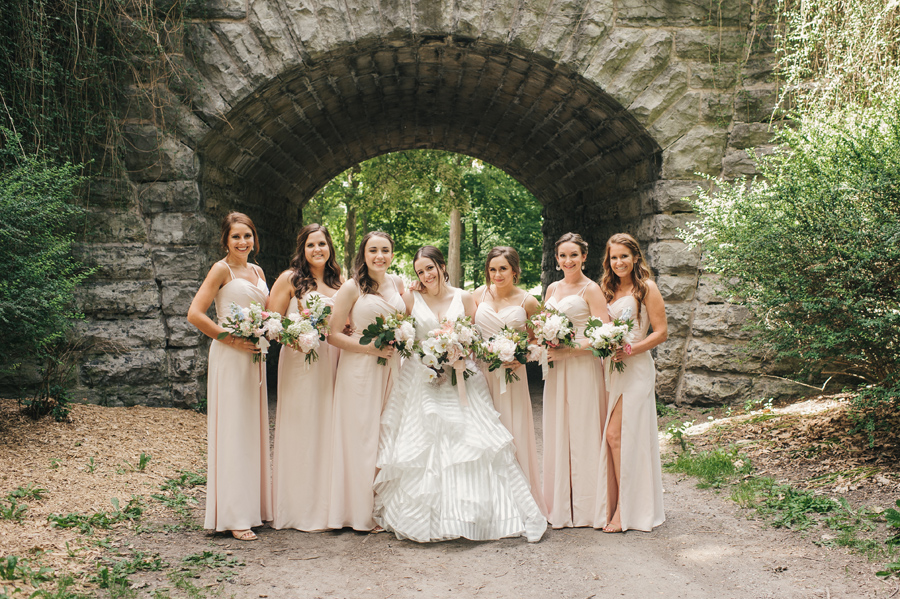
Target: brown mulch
808 445
56 457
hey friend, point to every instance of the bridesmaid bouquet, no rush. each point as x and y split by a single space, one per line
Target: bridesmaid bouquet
606 337
551 329
306 331
454 340
507 345
397 330
253 323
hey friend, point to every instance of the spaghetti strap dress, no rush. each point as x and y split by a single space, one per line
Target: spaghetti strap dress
361 388
640 481
514 403
448 470
238 494
301 481
574 412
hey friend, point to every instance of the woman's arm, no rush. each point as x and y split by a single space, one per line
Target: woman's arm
468 303
282 293
344 300
217 277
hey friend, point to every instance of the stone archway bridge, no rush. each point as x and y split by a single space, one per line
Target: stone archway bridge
608 111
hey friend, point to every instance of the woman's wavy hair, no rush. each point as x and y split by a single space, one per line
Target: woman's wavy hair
640 274
435 255
234 218
302 278
361 274
512 258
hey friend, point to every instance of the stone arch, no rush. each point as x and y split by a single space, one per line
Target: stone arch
581 153
610 112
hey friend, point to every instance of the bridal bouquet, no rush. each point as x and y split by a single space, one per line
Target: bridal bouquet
253 323
551 329
305 331
453 341
606 337
397 330
506 345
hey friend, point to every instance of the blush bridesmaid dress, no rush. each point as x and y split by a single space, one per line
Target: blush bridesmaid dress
513 404
574 412
301 482
361 389
238 494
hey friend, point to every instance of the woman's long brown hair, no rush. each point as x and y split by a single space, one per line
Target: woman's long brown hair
302 278
640 274
363 280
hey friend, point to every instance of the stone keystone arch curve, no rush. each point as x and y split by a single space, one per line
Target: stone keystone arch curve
606 110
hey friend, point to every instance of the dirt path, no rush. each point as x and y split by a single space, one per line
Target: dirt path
706 549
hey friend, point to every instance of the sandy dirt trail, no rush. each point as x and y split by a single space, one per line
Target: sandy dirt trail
705 550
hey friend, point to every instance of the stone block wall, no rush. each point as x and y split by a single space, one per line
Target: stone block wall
610 113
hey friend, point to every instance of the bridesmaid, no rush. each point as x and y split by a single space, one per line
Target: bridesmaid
301 482
629 491
361 385
574 396
500 303
237 489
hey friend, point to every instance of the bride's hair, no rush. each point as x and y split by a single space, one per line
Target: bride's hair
640 274
512 258
361 274
432 253
302 278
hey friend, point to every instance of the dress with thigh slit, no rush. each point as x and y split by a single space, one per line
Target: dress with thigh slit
640 481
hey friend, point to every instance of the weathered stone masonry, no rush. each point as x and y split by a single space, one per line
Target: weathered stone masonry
606 110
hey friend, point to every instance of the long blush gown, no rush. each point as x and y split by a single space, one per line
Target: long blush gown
574 408
303 435
640 491
361 388
448 470
238 495
513 404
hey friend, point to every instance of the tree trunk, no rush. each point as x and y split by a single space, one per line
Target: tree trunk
453 264
476 271
349 240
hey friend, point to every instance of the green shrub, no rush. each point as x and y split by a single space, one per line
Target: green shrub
37 271
813 246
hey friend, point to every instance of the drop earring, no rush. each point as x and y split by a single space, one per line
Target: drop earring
558 267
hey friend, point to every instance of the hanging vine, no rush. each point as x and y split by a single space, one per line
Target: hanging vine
69 70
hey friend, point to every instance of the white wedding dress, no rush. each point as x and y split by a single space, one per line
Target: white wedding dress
448 470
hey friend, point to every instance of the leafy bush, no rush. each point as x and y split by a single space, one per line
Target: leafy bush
37 271
813 246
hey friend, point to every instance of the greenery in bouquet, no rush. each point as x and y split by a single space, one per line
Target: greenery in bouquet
304 331
397 330
505 346
607 337
551 329
449 345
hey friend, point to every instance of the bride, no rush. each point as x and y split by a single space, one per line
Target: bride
447 470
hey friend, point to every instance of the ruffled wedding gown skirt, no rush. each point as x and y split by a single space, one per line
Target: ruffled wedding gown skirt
447 470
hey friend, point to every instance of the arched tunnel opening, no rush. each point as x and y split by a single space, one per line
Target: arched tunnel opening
577 150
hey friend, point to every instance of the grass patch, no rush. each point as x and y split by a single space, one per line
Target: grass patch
86 523
714 468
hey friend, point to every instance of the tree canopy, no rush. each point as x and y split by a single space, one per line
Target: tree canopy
410 195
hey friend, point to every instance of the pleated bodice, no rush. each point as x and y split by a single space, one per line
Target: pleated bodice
241 292
625 307
490 321
576 308
370 306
